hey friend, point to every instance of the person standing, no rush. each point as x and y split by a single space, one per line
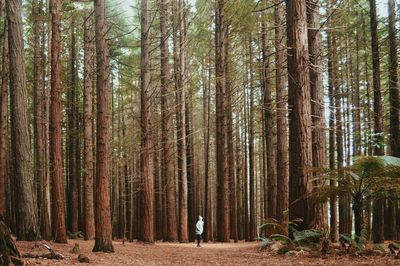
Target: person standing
199 230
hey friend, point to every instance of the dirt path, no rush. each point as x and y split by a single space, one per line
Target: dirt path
187 254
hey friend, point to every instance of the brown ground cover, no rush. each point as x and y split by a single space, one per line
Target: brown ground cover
160 253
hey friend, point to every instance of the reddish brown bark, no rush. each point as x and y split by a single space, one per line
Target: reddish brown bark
300 150
103 235
4 119
147 174
72 137
319 215
252 183
281 122
167 162
271 162
378 206
57 188
394 110
223 206
88 172
26 214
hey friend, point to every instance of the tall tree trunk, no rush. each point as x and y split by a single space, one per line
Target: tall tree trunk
73 136
27 220
103 228
337 95
167 162
223 208
393 84
394 108
58 207
4 119
231 155
272 181
317 102
39 156
281 122
357 102
252 232
208 195
300 150
89 230
180 93
378 217
332 140
147 173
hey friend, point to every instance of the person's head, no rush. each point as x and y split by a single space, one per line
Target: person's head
200 218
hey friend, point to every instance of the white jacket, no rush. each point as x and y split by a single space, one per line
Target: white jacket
199 226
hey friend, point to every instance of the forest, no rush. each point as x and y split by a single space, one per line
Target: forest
126 123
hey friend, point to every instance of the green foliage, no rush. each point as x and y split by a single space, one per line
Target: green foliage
283 250
282 238
360 245
307 236
265 242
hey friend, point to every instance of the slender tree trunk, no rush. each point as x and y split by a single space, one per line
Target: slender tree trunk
231 155
252 232
332 140
58 207
89 230
73 136
4 120
272 181
317 102
103 228
39 156
167 163
300 150
239 182
146 141
281 122
357 102
180 93
393 84
208 195
378 217
223 208
27 220
394 109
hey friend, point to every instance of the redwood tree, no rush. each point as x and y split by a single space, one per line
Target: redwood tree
27 222
223 208
147 174
88 127
103 235
300 150
57 186
4 119
282 169
167 162
317 101
394 110
378 209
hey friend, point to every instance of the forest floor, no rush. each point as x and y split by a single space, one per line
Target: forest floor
160 253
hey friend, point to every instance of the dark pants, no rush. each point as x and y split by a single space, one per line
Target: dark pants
198 237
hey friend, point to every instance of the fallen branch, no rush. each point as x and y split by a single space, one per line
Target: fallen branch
52 255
